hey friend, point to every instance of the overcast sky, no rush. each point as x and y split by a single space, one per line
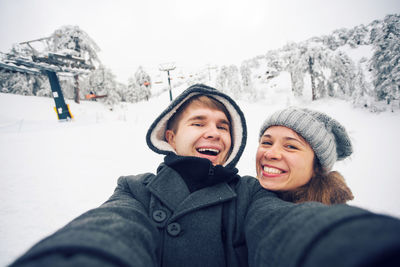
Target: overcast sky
190 33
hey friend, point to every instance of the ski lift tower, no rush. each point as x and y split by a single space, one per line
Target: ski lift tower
168 67
49 64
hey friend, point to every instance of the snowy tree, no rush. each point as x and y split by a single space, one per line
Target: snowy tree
102 82
24 83
121 89
246 75
342 78
74 41
42 86
330 42
139 87
317 58
249 92
228 81
341 36
374 29
221 82
274 60
23 51
386 60
16 83
71 40
363 92
291 61
307 57
359 35
143 82
131 95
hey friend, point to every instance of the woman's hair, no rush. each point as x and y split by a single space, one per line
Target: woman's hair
325 187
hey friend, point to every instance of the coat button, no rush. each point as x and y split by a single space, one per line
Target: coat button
159 215
174 229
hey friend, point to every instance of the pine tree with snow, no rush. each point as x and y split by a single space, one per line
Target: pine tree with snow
40 86
221 82
102 82
363 93
307 58
246 75
274 60
71 40
131 95
234 82
342 78
359 35
291 62
228 81
341 36
386 60
143 82
74 41
16 83
316 58
249 90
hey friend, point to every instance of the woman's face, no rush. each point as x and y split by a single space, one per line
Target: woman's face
284 160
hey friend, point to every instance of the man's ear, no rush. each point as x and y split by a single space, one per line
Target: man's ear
170 137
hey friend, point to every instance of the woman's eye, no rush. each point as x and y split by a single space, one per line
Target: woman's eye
268 143
292 147
223 128
196 124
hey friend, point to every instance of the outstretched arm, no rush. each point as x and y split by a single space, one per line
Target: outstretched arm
279 233
118 233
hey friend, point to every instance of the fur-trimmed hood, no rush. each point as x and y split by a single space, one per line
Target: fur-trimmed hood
155 137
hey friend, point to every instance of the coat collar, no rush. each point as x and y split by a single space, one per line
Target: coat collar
172 191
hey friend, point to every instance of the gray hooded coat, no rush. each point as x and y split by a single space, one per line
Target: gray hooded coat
154 220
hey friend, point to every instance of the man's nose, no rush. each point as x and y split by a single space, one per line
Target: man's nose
211 131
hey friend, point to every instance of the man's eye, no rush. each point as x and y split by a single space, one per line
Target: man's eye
267 143
225 128
197 124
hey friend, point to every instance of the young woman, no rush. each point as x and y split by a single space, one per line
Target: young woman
296 152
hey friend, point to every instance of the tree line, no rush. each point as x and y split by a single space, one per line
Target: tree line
372 82
323 62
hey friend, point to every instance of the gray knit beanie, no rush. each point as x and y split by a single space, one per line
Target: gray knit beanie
327 137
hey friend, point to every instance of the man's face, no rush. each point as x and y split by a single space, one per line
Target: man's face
202 132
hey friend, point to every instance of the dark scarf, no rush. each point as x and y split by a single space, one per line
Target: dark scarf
198 172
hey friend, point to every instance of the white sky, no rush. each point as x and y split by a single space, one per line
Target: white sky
190 33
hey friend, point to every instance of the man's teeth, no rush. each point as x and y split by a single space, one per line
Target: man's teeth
272 170
208 151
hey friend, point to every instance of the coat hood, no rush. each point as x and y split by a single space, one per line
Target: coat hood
155 137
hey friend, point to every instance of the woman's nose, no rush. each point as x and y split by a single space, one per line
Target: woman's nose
273 153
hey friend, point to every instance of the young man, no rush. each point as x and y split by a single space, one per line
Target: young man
196 211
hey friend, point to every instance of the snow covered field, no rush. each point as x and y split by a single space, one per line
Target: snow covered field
51 172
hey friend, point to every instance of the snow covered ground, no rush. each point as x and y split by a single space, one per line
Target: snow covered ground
51 172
